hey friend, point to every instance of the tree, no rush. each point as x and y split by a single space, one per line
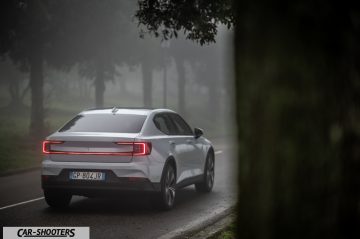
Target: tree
179 53
102 37
26 27
297 100
13 78
203 60
198 19
32 35
149 60
150 56
61 34
206 65
209 76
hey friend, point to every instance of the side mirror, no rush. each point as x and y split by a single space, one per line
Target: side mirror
198 132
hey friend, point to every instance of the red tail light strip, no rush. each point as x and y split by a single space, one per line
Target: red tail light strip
46 145
139 149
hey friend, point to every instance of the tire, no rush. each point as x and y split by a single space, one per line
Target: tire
166 198
209 175
57 199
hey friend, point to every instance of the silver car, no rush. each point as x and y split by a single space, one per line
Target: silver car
105 151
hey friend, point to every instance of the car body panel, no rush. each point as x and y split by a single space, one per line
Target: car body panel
188 152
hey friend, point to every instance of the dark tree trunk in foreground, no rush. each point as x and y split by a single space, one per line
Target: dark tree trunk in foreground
297 90
37 94
349 219
180 66
146 68
99 86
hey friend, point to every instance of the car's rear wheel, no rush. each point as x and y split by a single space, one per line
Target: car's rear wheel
57 199
168 187
209 175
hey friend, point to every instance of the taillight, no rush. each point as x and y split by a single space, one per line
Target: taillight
139 148
46 145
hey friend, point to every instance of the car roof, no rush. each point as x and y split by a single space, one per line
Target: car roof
124 110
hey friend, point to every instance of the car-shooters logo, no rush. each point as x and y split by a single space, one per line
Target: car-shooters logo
54 232
46 232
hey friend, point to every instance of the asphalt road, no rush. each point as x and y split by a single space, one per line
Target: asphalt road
125 217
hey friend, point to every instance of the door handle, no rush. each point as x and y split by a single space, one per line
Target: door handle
171 142
189 141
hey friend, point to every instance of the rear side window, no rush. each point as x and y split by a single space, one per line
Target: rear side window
162 123
182 128
106 123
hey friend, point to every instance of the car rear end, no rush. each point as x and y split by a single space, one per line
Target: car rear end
98 152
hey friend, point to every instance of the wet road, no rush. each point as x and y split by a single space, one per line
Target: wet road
124 217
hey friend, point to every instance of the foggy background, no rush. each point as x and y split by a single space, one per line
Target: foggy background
93 54
296 81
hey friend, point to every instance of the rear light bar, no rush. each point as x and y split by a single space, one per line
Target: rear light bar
46 145
139 149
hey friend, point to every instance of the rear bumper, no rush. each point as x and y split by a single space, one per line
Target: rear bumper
111 185
139 168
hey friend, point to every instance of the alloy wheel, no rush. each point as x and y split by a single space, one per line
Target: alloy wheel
210 172
170 186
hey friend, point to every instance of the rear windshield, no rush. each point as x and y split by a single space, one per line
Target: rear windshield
118 123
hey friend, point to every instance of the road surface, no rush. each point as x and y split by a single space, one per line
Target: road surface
22 204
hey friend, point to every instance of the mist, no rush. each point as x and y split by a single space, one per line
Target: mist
75 56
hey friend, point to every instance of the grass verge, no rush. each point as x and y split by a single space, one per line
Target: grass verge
228 232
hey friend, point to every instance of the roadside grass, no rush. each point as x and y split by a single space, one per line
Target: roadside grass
227 233
17 149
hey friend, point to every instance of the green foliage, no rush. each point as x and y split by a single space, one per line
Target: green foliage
198 19
227 233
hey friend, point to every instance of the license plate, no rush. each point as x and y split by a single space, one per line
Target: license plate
95 176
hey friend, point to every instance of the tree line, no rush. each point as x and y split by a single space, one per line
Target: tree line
94 36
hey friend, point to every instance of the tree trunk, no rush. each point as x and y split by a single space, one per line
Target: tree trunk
99 86
122 84
349 218
213 79
165 85
14 90
147 83
17 95
213 105
299 156
37 94
181 85
24 92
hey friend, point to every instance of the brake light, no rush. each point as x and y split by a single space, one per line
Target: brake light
46 145
139 148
